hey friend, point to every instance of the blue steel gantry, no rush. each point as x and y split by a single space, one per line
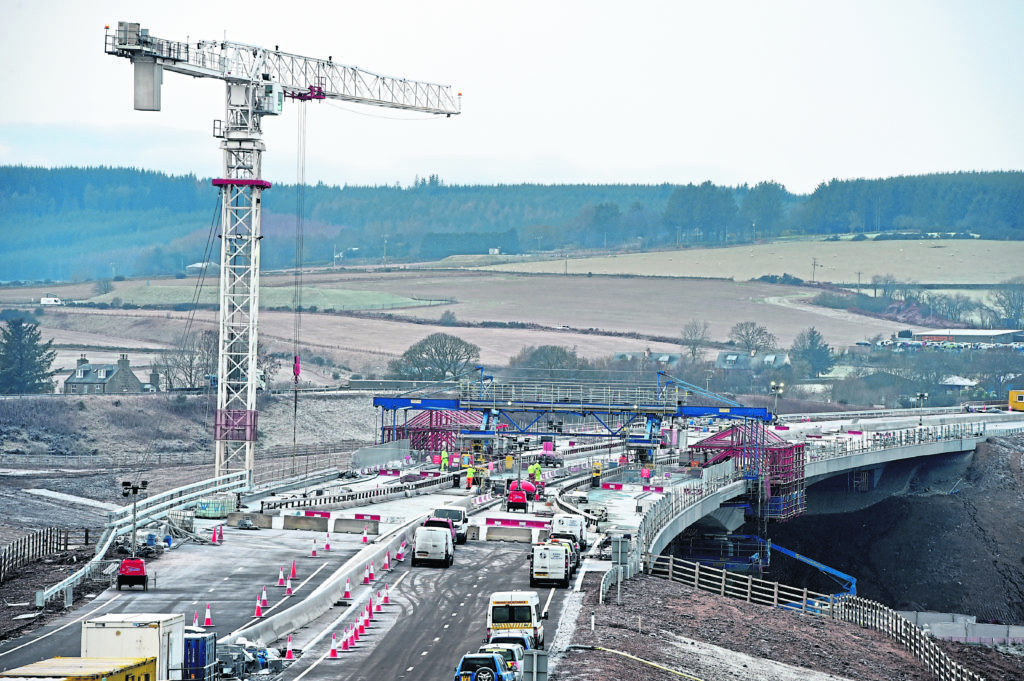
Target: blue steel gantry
599 410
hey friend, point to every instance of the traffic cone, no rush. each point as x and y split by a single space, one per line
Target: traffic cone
378 608
372 577
348 590
288 589
208 620
369 610
293 574
280 577
288 654
195 619
221 534
362 627
387 562
334 647
366 574
387 599
313 554
400 556
327 542
259 610
364 534
213 536
263 598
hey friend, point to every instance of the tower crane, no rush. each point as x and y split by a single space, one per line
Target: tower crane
257 80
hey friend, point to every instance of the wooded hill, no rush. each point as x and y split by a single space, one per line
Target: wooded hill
83 223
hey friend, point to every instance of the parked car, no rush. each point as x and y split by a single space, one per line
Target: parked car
518 638
483 667
446 523
459 518
512 652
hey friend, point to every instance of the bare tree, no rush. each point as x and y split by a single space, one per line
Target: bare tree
435 358
1008 299
752 337
694 336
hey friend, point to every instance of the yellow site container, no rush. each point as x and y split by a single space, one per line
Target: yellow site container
87 669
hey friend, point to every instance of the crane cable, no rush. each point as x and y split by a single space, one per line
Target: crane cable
300 208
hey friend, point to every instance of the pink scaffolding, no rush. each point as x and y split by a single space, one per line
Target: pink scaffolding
433 431
776 464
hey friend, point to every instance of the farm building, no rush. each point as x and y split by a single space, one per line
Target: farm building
102 379
970 336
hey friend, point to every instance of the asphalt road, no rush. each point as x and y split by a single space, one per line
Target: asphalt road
436 615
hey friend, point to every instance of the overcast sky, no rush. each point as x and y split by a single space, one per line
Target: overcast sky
554 92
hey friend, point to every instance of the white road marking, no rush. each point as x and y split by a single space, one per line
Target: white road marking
51 633
438 638
410 669
424 653
446 626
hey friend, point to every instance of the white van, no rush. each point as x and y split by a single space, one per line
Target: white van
568 523
551 563
516 611
433 545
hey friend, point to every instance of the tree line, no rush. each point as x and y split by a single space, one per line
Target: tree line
84 223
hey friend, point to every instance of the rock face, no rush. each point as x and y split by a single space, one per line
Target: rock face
920 547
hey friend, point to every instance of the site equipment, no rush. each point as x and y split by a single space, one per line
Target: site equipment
258 80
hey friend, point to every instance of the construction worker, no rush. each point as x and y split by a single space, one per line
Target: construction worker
444 459
469 478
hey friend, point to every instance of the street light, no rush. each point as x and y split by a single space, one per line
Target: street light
921 399
132 490
776 389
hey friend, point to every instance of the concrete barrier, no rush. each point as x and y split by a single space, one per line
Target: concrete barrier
301 522
516 534
356 526
258 519
323 598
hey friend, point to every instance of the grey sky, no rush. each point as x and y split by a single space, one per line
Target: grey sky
554 92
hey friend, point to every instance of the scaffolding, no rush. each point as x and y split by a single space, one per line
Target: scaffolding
433 431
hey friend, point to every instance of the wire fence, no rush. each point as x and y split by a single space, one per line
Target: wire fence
854 609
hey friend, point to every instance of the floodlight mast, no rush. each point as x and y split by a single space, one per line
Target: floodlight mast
257 82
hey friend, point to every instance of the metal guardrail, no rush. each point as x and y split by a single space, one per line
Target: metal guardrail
361 495
674 503
155 507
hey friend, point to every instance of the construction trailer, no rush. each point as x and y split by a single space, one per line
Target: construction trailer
158 635
87 669
1016 400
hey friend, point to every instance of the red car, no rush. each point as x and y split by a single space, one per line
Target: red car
442 522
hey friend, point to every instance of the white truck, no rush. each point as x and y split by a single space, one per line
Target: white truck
551 563
459 518
569 523
510 612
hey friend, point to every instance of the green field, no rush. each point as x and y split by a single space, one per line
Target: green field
323 299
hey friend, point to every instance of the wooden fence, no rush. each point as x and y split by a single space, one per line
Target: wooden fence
41 543
854 609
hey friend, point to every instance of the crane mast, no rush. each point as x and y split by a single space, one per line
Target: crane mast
257 82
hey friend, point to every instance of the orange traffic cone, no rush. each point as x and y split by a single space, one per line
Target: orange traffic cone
348 590
334 647
288 589
327 542
369 610
293 574
378 608
387 562
208 620
280 577
259 610
366 574
289 655
387 598
372 577
221 534
195 619
313 554
263 598
362 627
364 534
